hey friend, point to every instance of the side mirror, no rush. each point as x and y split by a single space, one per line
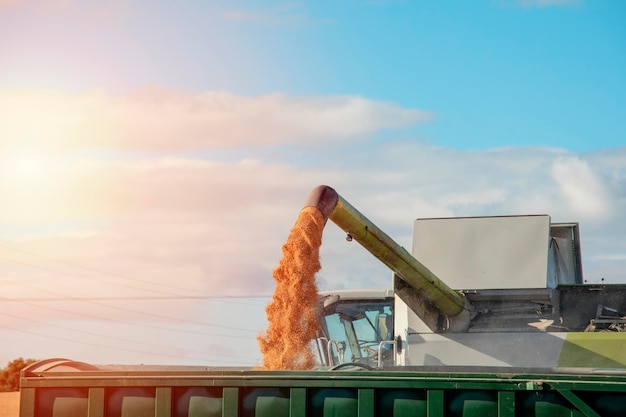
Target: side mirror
330 300
399 344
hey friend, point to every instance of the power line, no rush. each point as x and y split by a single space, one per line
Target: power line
71 274
107 319
102 346
122 298
164 295
106 336
161 316
92 269
224 299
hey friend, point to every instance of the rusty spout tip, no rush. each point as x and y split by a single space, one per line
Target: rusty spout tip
324 198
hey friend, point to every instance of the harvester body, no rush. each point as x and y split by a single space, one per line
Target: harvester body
475 291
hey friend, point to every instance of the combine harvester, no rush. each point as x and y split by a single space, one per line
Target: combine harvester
513 332
518 298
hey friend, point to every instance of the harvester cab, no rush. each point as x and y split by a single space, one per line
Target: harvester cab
356 327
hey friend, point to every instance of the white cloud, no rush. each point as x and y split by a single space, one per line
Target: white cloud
157 120
191 202
585 194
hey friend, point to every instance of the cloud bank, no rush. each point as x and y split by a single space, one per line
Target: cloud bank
145 171
157 120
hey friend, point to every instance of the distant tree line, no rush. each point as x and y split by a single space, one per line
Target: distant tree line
10 376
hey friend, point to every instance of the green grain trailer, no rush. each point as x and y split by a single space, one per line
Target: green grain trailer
63 388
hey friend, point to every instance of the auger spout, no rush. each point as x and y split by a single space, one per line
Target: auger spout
439 306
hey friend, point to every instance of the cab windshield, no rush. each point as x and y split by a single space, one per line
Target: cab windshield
352 331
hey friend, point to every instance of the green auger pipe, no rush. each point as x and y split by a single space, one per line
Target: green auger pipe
434 295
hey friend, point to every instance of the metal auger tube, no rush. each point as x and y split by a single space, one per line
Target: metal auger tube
440 307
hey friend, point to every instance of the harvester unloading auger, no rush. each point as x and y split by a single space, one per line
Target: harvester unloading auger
440 307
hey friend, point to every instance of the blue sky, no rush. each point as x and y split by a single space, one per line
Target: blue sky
150 147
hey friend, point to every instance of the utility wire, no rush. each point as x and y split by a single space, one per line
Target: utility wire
161 316
92 269
107 319
216 298
107 347
164 296
122 298
106 336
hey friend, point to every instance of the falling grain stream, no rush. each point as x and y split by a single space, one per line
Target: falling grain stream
291 314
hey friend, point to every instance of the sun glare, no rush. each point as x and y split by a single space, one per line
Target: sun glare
35 189
27 169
